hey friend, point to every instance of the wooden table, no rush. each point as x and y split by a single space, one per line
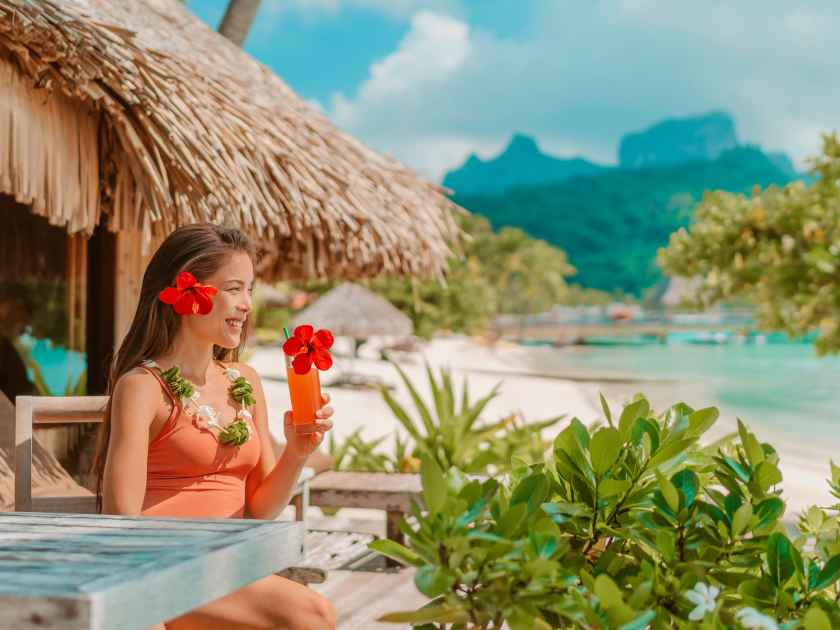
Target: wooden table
92 572
393 493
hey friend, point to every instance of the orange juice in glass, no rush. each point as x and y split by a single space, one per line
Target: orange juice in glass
305 392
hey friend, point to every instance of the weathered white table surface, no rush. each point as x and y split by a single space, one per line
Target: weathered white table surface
94 572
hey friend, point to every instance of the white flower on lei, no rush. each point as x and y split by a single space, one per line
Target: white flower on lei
704 599
186 401
210 414
244 414
232 373
751 618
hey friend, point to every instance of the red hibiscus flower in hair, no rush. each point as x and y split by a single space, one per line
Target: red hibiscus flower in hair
188 297
308 347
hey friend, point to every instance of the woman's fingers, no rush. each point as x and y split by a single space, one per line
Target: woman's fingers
321 427
325 398
287 418
324 412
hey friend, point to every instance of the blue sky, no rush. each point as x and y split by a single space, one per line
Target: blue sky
429 81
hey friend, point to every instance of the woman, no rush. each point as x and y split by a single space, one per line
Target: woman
186 429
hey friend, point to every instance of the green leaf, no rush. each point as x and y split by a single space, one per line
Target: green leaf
642 426
780 558
422 409
604 450
580 433
512 520
702 420
669 451
434 485
665 544
472 414
736 468
761 592
829 574
755 454
401 415
397 552
672 497
688 484
612 487
641 622
816 619
769 511
629 415
606 408
532 491
767 475
431 580
835 474
742 517
606 591
439 613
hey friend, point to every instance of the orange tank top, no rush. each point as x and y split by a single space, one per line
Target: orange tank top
190 474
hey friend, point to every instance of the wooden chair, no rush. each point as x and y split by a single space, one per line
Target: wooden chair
32 411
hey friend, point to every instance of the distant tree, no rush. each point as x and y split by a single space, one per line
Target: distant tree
780 247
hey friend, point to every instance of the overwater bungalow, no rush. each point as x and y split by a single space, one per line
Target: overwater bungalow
120 120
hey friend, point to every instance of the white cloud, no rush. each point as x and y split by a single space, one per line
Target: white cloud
590 72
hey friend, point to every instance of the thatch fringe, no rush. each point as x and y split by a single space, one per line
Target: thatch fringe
193 129
48 152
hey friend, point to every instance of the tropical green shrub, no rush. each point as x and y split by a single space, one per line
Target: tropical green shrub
630 525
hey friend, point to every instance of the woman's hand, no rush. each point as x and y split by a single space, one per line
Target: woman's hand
301 445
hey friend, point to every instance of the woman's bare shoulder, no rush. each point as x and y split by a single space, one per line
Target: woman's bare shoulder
137 386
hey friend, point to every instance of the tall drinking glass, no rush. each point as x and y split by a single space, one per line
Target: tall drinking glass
305 392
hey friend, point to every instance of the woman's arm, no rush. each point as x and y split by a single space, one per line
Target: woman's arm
133 406
269 486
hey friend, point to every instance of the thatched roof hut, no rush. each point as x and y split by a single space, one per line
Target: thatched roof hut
351 310
135 110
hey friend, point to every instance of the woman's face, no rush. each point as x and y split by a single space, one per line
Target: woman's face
225 324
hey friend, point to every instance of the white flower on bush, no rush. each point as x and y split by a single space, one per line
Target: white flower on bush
704 598
751 618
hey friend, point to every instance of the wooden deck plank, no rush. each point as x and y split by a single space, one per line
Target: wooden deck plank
360 597
333 550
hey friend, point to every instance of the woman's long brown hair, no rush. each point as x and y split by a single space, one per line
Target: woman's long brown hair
200 249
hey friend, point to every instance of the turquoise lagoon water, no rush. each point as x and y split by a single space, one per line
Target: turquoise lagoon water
58 365
781 389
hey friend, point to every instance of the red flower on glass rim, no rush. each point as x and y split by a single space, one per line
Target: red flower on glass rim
308 347
188 297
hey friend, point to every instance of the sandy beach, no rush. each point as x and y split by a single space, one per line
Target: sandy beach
534 394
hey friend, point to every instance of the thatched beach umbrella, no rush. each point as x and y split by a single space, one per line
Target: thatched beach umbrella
136 110
351 310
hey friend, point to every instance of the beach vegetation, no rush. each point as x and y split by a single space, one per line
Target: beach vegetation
449 428
629 523
778 247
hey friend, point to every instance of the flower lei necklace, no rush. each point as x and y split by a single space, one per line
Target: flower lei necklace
237 432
